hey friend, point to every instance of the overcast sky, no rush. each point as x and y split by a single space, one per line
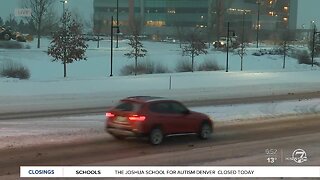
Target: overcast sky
308 10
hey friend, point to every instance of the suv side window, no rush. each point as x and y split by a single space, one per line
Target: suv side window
160 107
177 108
168 108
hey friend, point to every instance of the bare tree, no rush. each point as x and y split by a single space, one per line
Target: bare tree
40 9
284 45
137 50
180 33
242 53
195 46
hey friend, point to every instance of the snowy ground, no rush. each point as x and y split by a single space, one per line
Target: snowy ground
88 83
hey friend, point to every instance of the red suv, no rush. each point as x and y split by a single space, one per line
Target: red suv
155 118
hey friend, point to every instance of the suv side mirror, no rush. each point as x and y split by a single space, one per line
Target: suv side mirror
186 112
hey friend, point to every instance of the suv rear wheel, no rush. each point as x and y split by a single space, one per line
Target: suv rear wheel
205 131
119 137
156 136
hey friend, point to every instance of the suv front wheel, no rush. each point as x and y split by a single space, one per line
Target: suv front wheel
205 131
156 136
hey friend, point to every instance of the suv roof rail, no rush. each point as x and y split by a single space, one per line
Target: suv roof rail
144 97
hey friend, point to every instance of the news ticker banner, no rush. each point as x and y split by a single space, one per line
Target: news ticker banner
168 171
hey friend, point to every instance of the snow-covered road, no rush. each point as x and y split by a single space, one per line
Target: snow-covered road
59 129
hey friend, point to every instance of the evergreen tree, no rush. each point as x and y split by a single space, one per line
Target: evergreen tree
1 21
21 27
11 22
30 27
68 44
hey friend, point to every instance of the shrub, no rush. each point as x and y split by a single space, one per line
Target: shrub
161 69
303 57
127 70
184 66
14 70
11 45
142 68
209 65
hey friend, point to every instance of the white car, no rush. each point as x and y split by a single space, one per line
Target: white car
222 43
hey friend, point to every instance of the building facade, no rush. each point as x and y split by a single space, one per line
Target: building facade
161 18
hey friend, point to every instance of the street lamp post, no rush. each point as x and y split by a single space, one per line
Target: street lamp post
258 22
111 45
64 11
117 23
228 39
313 42
227 63
242 39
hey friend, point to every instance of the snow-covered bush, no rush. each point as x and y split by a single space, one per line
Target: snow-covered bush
14 70
303 57
209 65
142 68
273 51
161 69
184 66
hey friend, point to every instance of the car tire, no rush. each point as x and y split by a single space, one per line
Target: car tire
156 136
205 131
118 137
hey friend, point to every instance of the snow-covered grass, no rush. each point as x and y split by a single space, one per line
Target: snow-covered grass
89 85
167 54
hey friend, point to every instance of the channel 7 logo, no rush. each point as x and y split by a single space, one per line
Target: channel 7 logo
299 156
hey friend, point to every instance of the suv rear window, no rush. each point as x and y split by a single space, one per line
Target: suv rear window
128 106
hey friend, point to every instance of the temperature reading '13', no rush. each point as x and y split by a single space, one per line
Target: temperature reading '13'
271 160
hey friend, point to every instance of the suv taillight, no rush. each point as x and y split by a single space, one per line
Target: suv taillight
136 118
109 115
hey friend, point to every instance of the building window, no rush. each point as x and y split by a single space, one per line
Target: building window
155 23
